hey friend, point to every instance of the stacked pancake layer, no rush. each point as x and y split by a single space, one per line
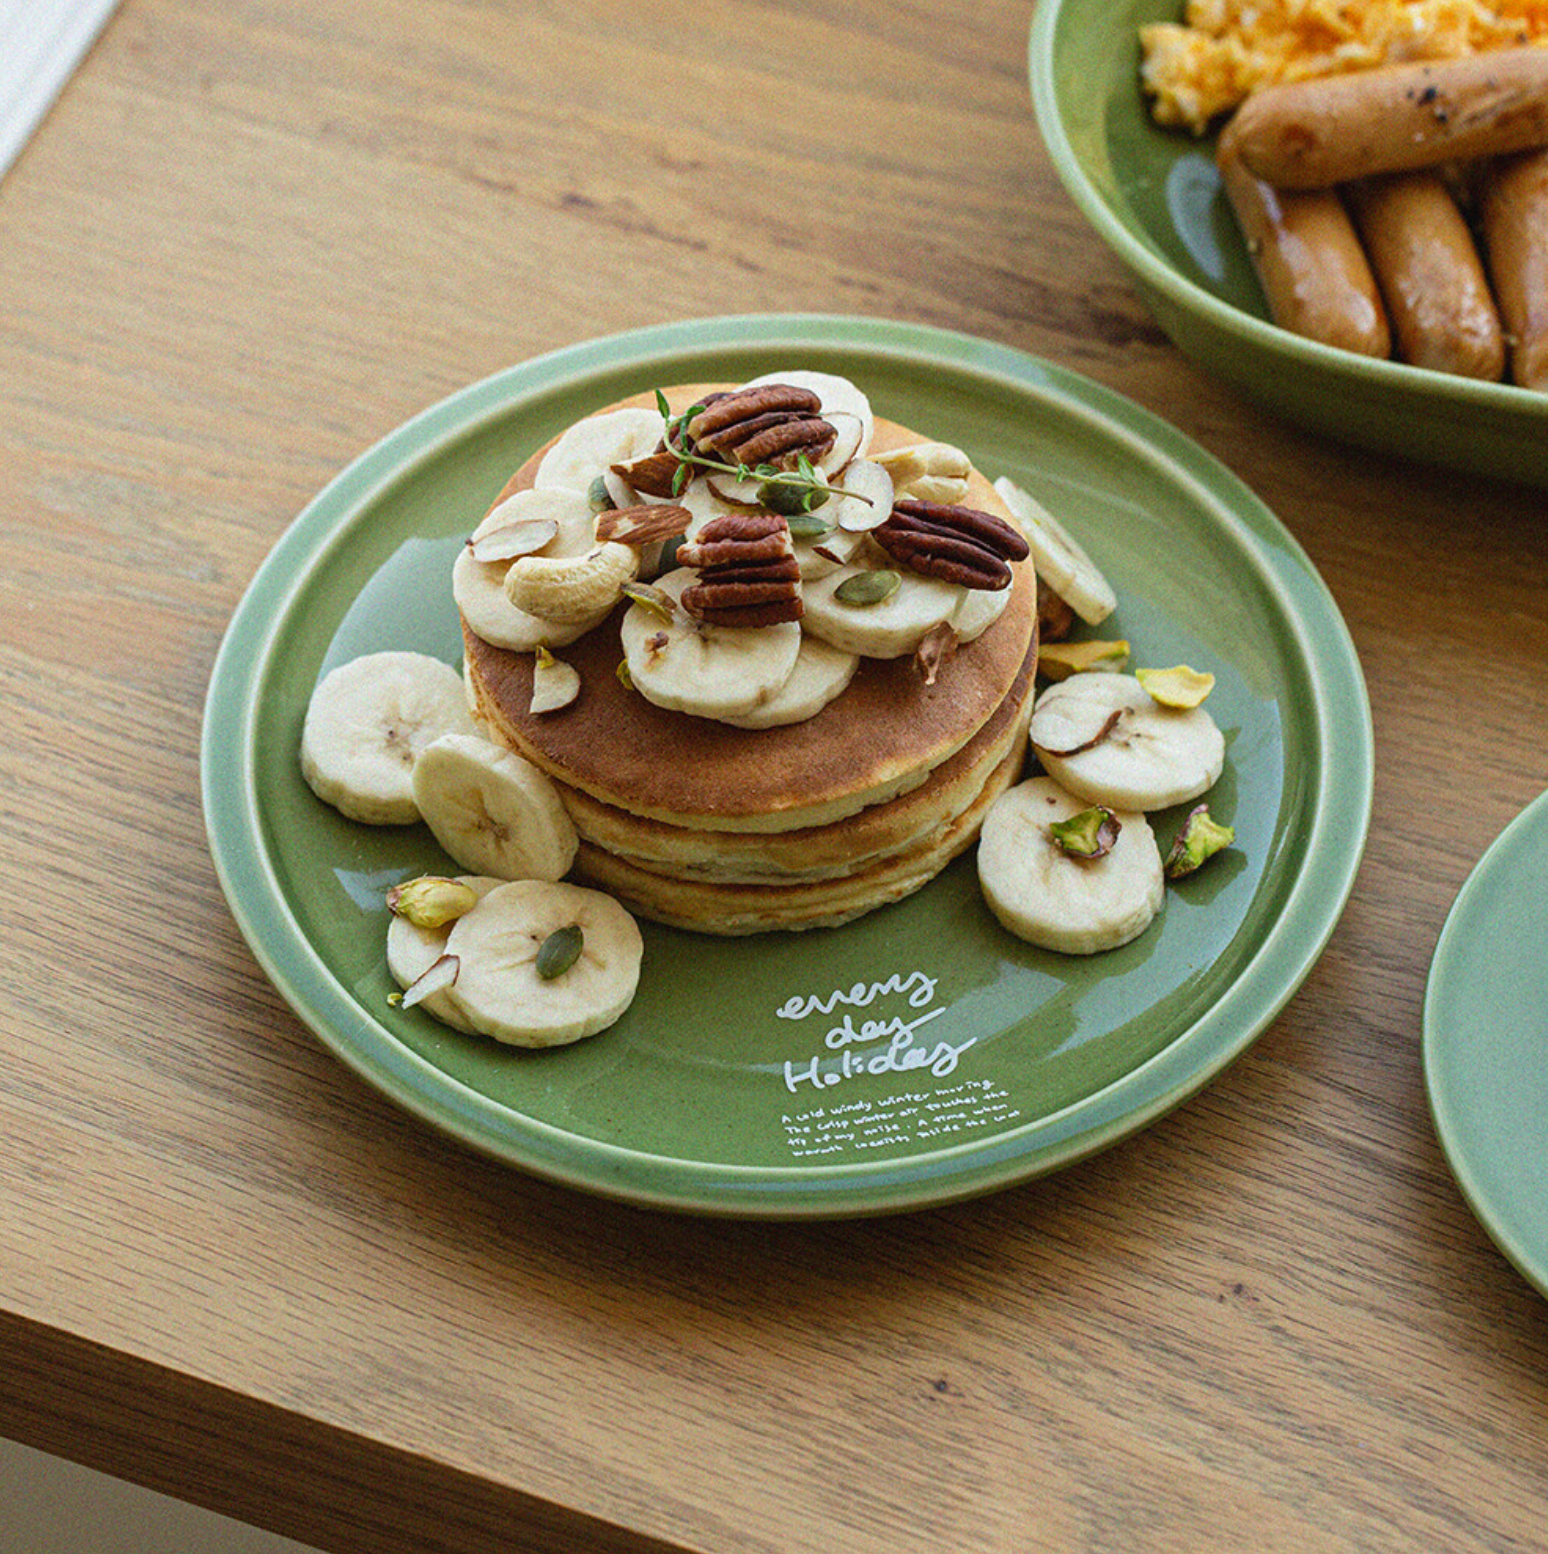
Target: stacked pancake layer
703 824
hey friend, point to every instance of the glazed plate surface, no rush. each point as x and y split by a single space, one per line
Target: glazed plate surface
918 1055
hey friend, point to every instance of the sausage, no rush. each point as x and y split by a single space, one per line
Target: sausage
1310 134
1431 277
1308 258
1515 226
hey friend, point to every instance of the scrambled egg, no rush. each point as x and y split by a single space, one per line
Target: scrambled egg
1228 48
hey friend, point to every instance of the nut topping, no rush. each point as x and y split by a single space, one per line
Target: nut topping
769 424
959 545
654 475
643 525
936 649
748 572
737 538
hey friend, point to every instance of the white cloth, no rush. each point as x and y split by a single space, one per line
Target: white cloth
41 43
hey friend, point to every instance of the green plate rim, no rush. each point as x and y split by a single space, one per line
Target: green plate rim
1530 1262
1339 822
1183 293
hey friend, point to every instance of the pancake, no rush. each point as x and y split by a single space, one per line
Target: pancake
701 824
814 852
883 735
738 909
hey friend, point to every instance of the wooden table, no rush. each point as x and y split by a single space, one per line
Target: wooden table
252 239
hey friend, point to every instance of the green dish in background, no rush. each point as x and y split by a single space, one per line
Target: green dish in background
1486 1041
724 1089
1154 197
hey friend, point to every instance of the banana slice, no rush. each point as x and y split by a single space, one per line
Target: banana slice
1106 739
1044 895
1058 556
479 586
843 404
821 672
979 609
500 990
589 448
709 671
891 629
367 722
492 811
412 951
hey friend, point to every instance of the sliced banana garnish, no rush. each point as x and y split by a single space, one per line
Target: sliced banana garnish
821 672
591 447
709 671
366 723
1060 560
1108 741
892 627
1054 899
492 811
500 990
979 609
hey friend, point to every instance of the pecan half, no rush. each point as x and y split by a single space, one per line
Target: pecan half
769 424
748 572
737 538
959 545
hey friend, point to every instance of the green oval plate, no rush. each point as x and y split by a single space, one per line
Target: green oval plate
1154 197
916 1056
1486 1041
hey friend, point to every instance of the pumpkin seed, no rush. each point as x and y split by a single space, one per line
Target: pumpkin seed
867 588
598 497
809 526
559 951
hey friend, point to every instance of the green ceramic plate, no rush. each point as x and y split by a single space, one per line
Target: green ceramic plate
1486 1041
1154 196
783 1075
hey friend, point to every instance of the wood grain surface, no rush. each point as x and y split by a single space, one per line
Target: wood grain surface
253 238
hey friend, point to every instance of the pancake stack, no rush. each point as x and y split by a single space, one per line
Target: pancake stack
710 824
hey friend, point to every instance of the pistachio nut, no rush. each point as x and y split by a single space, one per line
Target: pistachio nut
431 901
1200 838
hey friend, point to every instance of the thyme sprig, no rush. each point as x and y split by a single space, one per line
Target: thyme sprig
810 490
